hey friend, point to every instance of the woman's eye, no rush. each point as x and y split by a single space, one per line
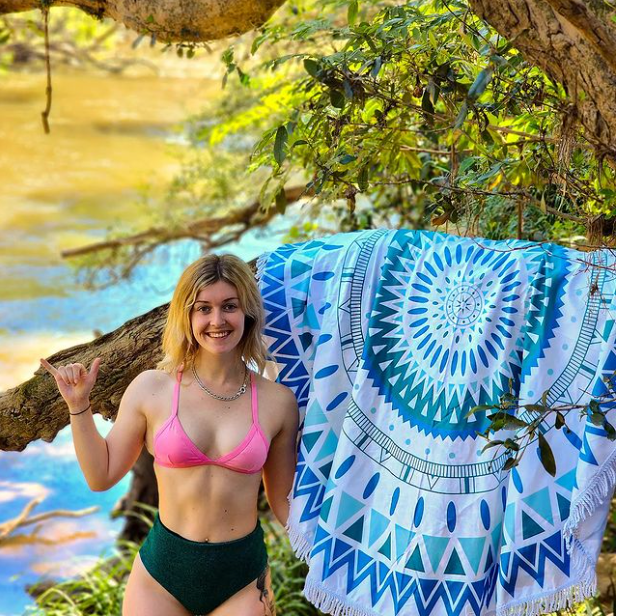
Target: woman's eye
230 306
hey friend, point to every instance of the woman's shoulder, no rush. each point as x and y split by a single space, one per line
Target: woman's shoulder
277 393
152 381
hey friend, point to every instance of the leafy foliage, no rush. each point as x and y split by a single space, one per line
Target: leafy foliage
413 114
518 434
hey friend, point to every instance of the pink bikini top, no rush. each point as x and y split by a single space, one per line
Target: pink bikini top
173 448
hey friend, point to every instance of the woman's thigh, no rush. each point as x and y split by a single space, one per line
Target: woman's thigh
256 599
144 596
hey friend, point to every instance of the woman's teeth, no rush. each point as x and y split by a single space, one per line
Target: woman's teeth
219 335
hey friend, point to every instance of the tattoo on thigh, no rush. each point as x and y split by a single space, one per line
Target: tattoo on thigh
265 598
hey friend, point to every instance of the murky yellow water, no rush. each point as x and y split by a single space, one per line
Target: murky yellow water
112 137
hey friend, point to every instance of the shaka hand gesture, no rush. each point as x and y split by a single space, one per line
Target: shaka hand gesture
74 382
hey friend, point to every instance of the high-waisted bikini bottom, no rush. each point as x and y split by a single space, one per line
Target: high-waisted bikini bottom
202 575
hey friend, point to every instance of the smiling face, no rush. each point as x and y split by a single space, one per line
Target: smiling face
217 318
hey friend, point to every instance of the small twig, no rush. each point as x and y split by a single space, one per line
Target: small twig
59 513
48 90
6 528
201 229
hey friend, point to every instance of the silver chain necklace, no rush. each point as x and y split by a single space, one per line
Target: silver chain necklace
204 388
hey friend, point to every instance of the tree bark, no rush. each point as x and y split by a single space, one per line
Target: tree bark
575 47
168 20
35 410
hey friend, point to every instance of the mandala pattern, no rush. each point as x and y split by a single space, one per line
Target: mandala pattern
389 339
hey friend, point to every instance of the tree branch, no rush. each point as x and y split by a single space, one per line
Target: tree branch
21 520
35 410
599 34
201 229
168 20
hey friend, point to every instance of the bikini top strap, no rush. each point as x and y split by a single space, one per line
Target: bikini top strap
177 392
254 399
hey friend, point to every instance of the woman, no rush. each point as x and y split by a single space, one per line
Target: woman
212 426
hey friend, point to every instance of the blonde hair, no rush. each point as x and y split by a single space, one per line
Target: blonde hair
179 344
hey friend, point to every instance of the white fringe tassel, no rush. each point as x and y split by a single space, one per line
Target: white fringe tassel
583 570
559 600
299 542
331 603
595 494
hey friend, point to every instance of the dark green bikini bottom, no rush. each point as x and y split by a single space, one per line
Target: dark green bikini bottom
202 575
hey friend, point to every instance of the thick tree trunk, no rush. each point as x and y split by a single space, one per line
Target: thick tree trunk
35 410
169 20
574 46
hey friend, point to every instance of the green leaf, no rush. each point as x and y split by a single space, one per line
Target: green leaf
462 115
362 179
244 78
480 83
477 409
497 415
427 105
467 163
228 55
312 67
513 423
559 421
352 12
510 462
480 407
535 408
597 418
595 406
376 67
279 145
611 431
546 455
496 425
346 159
336 98
348 90
491 444
281 201
258 41
511 444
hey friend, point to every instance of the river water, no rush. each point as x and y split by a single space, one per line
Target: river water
111 136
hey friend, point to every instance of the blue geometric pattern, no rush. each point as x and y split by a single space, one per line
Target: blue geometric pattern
389 339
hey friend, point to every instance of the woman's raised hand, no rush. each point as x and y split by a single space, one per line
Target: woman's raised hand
74 382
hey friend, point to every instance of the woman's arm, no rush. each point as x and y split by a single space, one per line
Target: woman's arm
104 461
279 470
